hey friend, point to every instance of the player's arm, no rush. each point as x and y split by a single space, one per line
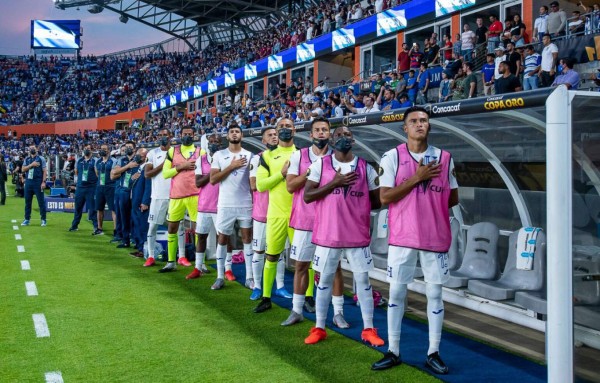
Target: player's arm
150 171
293 180
312 191
424 172
44 173
453 201
116 172
264 179
168 171
200 179
375 199
373 179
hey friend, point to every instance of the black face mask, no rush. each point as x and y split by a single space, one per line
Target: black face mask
129 151
320 143
213 148
271 147
87 152
138 159
103 153
164 141
343 144
285 134
33 152
187 140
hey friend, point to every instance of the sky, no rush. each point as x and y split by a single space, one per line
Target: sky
102 33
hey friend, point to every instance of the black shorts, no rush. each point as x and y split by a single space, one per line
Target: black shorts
105 195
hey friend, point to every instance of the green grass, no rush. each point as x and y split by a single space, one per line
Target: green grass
112 320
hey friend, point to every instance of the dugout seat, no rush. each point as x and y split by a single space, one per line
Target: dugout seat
455 254
481 256
532 300
513 279
379 240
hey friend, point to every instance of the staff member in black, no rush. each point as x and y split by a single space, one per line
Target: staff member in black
123 172
34 172
85 170
3 178
105 189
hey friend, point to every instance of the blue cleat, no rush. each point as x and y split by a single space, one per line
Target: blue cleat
283 293
256 294
25 222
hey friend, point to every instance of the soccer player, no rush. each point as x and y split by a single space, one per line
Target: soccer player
302 220
419 185
105 189
179 167
260 205
344 188
86 187
208 196
230 168
126 167
271 176
34 171
161 187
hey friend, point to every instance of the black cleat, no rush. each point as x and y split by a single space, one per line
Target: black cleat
123 245
264 305
170 266
73 229
435 364
389 360
309 305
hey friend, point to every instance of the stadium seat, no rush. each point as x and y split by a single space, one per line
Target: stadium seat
592 201
481 256
513 279
379 241
586 292
588 316
532 300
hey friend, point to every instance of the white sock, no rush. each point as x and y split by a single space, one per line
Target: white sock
280 272
221 254
248 260
199 260
364 290
151 238
181 241
228 261
324 298
258 263
338 304
298 303
395 312
435 316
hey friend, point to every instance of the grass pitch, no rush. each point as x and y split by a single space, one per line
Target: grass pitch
111 320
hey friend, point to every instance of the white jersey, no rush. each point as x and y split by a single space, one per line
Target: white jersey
234 191
345 167
389 166
294 168
160 185
254 164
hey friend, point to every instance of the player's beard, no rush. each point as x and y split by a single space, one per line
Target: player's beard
235 142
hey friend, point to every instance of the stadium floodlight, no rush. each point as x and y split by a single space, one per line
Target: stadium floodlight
94 9
124 19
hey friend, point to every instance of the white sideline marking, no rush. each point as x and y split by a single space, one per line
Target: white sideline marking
25 265
14 221
40 325
15 227
31 289
18 237
21 249
54 377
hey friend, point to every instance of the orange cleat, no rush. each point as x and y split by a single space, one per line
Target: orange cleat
315 336
194 274
149 262
369 335
184 262
229 275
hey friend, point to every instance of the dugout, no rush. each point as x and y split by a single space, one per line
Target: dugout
529 159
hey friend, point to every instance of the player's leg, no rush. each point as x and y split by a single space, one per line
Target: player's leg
277 234
157 215
175 214
246 229
281 291
337 299
100 204
302 252
203 225
258 258
226 218
191 206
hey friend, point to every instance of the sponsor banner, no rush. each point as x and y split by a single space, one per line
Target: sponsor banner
390 21
197 91
65 205
250 72
212 86
229 80
342 38
445 7
275 63
163 103
184 95
153 107
172 100
305 52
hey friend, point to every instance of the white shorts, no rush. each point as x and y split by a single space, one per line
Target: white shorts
205 222
259 236
402 262
226 217
327 259
302 250
158 211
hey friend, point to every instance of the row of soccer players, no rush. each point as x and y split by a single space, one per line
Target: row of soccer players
319 199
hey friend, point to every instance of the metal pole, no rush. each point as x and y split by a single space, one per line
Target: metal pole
559 181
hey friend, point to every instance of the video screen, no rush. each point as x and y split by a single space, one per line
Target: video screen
444 7
58 34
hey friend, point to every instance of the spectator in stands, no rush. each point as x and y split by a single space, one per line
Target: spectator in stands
412 86
500 56
557 21
321 87
404 101
514 58
493 35
481 37
447 48
468 40
423 80
398 83
487 75
469 83
388 101
540 26
445 89
457 47
549 62
416 56
458 91
433 55
379 83
517 32
453 66
508 82
569 77
403 59
370 106
532 68
576 24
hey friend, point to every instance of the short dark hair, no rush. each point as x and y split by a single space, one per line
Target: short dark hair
568 61
130 142
188 127
319 119
468 64
266 129
414 109
233 125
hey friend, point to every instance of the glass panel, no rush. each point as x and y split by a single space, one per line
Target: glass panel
258 90
384 55
299 75
366 63
511 10
419 37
